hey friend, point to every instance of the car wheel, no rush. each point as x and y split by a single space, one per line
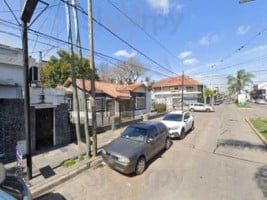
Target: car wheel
191 109
167 143
140 166
208 110
182 136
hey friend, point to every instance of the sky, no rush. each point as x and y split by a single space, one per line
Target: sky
207 39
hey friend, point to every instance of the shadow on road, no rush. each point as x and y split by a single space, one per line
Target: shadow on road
261 178
51 196
240 145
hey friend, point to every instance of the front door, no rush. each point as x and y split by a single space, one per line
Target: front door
44 128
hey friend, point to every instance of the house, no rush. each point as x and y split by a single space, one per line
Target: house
169 91
11 76
124 101
259 91
49 111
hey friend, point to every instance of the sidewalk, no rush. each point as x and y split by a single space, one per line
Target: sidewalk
47 172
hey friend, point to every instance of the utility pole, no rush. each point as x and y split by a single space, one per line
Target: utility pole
92 66
76 107
78 43
183 91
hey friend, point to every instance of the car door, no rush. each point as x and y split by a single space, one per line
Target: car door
188 120
152 144
163 133
201 107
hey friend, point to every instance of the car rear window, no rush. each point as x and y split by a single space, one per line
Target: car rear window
173 117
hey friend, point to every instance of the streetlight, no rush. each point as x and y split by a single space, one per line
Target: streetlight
27 12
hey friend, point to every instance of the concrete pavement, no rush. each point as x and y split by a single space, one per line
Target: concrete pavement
221 159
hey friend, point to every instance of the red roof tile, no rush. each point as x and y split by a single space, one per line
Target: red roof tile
176 81
111 89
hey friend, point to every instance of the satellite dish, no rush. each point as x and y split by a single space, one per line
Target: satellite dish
2 173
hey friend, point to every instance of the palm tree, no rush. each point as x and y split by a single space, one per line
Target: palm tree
237 84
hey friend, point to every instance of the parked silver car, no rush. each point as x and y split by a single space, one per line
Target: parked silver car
136 146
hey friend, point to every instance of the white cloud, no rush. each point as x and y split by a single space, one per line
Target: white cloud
242 30
190 62
161 5
125 53
184 54
208 39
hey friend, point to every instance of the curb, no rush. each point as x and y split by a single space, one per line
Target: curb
40 189
256 131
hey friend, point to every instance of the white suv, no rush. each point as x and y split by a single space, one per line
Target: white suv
178 123
200 107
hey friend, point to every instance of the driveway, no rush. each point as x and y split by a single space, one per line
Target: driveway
221 159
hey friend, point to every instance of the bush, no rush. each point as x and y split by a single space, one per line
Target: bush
160 107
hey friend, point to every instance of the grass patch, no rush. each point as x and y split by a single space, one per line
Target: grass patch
261 126
81 158
68 163
242 105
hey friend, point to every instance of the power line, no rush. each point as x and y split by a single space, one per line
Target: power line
99 54
142 29
121 39
242 46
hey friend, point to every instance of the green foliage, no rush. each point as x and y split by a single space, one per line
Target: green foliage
261 126
57 70
81 157
68 163
237 83
242 105
208 92
160 107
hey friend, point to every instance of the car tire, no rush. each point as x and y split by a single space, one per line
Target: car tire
208 110
182 136
191 109
140 166
167 143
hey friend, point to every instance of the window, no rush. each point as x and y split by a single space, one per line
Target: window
162 128
140 103
100 106
187 115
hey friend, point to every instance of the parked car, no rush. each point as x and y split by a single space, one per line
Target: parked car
136 146
260 101
218 102
200 107
12 187
178 123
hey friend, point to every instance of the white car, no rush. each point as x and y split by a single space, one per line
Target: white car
178 123
200 107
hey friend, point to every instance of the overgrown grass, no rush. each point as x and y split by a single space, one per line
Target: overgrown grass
261 126
242 105
72 161
68 163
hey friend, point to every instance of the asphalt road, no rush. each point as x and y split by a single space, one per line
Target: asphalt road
221 159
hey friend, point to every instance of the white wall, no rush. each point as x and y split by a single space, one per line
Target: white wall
52 96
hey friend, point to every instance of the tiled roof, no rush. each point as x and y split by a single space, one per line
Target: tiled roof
176 81
111 89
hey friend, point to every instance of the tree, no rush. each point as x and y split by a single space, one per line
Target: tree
57 69
106 73
207 93
129 71
237 84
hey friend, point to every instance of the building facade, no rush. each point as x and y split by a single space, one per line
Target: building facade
169 91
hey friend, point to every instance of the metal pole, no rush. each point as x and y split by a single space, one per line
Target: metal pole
183 91
26 99
92 66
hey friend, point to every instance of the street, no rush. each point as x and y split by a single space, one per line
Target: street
221 159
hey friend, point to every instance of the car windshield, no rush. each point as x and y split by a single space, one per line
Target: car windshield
135 133
173 117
